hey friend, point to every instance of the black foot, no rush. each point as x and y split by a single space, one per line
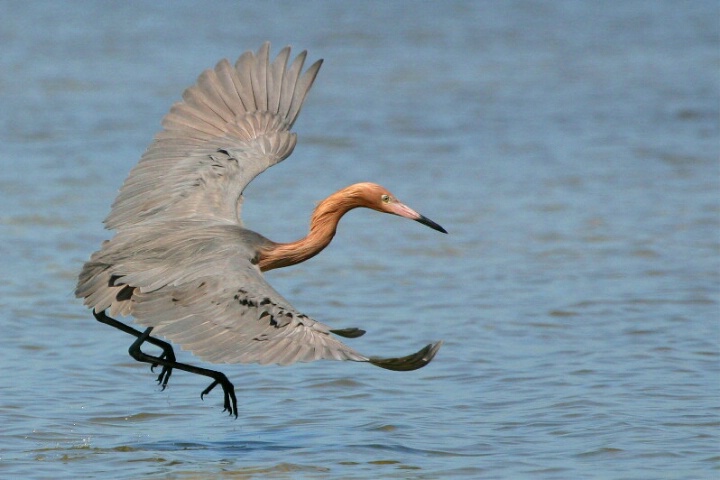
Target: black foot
166 371
168 352
230 402
228 391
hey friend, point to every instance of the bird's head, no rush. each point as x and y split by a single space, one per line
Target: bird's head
376 197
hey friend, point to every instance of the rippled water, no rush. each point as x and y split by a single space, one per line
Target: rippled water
571 150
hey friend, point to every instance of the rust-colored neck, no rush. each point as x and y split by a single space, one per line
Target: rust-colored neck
323 225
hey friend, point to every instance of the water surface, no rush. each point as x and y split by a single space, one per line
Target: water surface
570 149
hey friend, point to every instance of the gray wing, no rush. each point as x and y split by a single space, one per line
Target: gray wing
230 126
234 323
204 293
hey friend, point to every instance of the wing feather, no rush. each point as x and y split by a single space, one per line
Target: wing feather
275 80
288 88
301 89
215 95
259 77
229 127
199 99
229 85
244 67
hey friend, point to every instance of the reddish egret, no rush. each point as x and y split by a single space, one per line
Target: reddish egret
181 262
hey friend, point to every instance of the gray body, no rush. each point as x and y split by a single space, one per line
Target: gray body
180 261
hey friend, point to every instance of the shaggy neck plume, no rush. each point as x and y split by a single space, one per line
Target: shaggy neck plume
323 225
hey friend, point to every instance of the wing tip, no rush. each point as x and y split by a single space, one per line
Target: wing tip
349 332
410 362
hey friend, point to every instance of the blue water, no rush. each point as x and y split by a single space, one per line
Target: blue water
571 149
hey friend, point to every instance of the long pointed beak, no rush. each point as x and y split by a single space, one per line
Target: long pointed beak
404 211
426 221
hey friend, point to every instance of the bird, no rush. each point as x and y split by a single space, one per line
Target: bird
182 264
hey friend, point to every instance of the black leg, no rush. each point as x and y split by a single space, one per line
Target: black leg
168 352
230 402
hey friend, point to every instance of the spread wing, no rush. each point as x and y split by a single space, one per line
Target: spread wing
230 126
203 292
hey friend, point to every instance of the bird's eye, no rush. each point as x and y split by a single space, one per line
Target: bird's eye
385 198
